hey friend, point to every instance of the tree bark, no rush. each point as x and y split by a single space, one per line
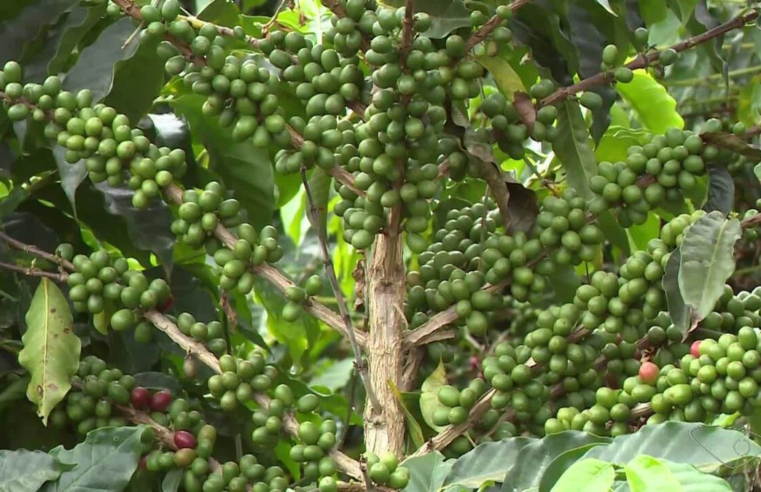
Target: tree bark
384 427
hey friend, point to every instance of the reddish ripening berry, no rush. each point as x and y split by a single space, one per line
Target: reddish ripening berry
143 462
637 354
695 349
648 373
141 397
184 439
160 401
167 305
474 363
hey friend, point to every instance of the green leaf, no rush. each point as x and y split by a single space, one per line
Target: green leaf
616 141
13 392
16 32
105 461
149 228
245 169
733 143
101 321
590 475
507 79
51 349
564 282
684 8
336 376
606 5
490 461
721 190
137 81
81 20
292 215
446 15
429 399
699 23
72 175
61 40
95 66
641 234
221 12
592 27
415 432
693 480
172 481
427 472
561 464
655 108
539 27
535 460
613 231
648 474
705 447
572 148
652 11
513 461
681 314
707 260
26 471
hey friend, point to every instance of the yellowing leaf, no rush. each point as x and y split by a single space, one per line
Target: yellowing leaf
429 398
51 349
507 79
416 433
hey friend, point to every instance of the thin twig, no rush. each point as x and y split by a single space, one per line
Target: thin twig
273 20
330 271
28 248
645 60
32 271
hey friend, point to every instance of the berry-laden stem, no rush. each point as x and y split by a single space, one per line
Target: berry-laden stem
409 11
384 425
492 24
290 424
272 275
132 10
199 351
645 60
425 333
451 432
339 173
331 273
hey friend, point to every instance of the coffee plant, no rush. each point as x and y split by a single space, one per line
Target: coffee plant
396 245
